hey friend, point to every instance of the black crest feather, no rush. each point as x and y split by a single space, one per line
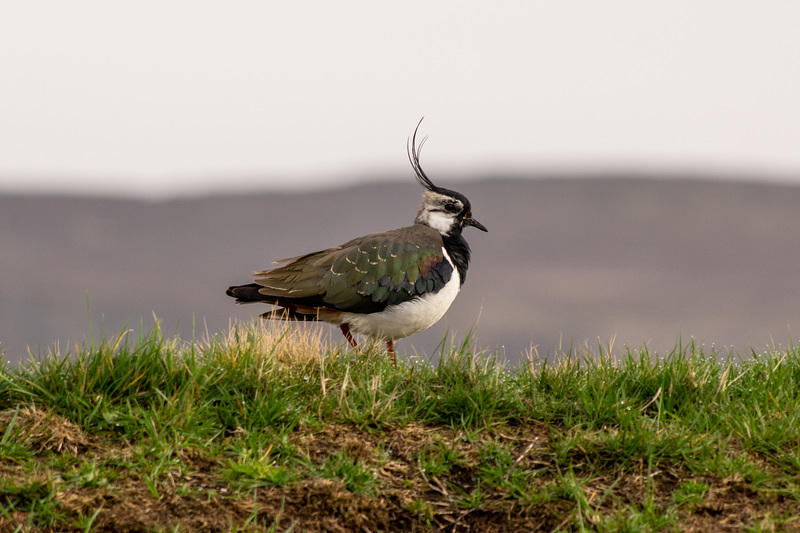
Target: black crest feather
414 151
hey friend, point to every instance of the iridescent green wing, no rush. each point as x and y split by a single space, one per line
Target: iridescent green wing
363 275
383 269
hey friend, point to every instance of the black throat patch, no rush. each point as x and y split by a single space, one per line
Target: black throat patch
458 250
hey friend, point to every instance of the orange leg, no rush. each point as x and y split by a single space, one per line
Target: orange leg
347 335
390 349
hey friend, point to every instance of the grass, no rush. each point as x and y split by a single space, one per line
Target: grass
265 428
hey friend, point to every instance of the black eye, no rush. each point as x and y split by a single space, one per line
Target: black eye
450 208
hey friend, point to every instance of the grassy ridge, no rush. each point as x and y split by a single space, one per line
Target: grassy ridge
268 429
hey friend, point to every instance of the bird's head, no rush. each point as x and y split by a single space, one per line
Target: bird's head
444 210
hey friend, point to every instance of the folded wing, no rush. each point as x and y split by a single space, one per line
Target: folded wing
361 276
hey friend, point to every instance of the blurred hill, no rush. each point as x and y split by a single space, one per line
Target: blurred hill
565 261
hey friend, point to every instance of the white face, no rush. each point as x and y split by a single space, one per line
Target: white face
441 222
439 211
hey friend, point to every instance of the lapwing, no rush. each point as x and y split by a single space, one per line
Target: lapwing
385 285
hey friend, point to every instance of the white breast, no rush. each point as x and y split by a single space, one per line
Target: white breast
407 318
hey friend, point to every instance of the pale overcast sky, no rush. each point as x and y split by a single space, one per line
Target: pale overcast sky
172 97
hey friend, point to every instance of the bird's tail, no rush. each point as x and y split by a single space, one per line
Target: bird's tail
246 294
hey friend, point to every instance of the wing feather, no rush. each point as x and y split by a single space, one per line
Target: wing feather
363 275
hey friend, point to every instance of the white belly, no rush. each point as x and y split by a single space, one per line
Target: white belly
407 318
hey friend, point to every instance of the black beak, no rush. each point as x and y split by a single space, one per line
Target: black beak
469 221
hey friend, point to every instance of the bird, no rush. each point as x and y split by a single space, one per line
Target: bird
385 285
